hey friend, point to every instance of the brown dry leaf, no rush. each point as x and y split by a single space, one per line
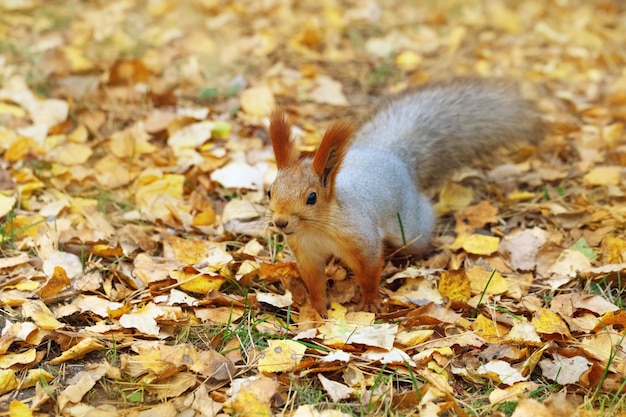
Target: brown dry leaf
336 390
411 337
431 314
418 291
569 263
501 372
514 392
531 408
128 72
173 386
564 370
143 319
81 383
523 247
479 215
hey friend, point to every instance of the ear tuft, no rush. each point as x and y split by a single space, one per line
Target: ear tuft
280 133
332 150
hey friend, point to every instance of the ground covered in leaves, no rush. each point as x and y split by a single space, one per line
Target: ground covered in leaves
138 275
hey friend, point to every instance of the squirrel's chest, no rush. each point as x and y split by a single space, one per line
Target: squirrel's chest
316 243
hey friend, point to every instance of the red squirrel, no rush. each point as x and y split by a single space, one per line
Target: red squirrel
361 191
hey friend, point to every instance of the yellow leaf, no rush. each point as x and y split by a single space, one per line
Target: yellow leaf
408 60
453 197
489 282
71 154
79 135
549 322
204 218
221 130
35 376
246 404
11 359
456 38
11 110
78 351
488 329
413 337
504 18
77 60
57 282
257 101
18 149
481 244
281 356
521 196
169 184
19 409
608 175
455 285
41 315
8 381
194 281
613 250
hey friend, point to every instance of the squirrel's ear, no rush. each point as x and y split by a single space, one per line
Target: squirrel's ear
280 133
331 152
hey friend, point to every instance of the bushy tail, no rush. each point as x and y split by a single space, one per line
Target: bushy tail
443 126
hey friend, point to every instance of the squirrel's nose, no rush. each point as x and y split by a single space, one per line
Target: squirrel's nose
281 223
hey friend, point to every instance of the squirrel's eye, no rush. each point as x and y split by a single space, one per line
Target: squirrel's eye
311 199
269 194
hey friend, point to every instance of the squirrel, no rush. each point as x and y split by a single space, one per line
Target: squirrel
361 191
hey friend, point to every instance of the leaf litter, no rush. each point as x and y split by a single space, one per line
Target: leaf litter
139 276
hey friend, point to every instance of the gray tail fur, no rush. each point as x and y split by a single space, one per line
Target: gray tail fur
443 126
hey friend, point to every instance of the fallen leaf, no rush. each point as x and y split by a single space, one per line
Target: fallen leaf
564 370
605 175
257 101
336 390
281 356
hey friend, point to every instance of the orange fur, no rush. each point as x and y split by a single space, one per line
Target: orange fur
280 133
332 150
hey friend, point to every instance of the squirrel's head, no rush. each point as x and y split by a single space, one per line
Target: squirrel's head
304 189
